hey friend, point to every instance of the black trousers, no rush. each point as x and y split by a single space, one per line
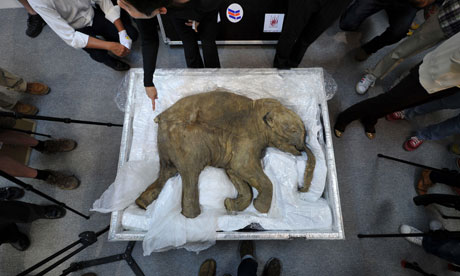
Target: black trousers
12 212
400 17
450 201
103 27
248 267
407 93
451 178
447 248
305 21
207 33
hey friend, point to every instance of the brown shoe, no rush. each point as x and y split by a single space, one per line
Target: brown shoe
208 268
58 145
36 88
62 181
272 268
23 108
424 183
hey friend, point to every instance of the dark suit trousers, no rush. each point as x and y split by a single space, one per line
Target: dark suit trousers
12 212
207 33
407 93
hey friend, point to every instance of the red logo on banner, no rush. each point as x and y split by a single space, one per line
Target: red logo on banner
274 21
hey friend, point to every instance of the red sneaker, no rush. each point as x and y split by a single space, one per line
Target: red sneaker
398 115
412 143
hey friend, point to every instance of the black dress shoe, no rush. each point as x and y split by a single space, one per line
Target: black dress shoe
22 243
117 65
11 193
53 212
272 268
35 25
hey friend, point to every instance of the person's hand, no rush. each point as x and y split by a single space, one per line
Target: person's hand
131 10
152 94
118 49
125 40
194 24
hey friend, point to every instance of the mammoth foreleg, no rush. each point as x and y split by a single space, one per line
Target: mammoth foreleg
152 192
255 176
244 198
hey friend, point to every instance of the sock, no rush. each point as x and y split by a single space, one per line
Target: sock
40 146
42 175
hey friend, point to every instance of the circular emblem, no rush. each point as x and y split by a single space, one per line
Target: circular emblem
234 13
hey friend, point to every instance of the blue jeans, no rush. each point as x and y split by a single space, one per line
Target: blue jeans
443 129
400 17
447 249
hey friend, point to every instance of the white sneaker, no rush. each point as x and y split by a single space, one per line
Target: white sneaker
363 85
407 229
436 225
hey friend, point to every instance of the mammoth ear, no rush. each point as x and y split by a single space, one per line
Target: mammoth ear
269 119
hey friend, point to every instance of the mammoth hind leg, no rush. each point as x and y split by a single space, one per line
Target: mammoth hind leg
152 192
244 198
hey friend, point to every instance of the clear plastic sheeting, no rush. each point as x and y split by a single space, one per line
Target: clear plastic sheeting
330 86
300 90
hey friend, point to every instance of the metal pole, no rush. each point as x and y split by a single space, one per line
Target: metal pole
27 131
438 234
391 235
411 163
86 239
28 187
55 119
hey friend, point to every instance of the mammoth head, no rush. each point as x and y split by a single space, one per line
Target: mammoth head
286 130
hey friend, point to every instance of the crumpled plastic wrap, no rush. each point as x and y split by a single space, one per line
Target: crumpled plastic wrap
330 86
299 90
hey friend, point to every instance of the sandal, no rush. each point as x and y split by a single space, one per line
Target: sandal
424 183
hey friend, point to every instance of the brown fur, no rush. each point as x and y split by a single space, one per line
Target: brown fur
228 131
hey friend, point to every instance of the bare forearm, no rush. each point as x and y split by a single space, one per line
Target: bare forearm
119 25
114 47
95 43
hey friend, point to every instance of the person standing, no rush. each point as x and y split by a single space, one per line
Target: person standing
15 83
195 20
12 212
186 16
400 16
432 132
438 27
305 21
437 77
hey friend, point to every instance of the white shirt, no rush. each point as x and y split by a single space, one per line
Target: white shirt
441 68
64 16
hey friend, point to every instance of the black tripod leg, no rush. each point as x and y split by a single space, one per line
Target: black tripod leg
450 201
134 267
129 259
84 264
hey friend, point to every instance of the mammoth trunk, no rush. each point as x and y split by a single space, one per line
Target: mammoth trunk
309 168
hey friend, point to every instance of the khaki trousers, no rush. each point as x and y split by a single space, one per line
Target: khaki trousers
12 83
425 37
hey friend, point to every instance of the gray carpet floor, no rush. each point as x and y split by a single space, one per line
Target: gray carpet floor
376 195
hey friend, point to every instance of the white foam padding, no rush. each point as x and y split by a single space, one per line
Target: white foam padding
166 227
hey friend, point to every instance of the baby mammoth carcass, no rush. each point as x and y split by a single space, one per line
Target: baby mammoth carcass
228 131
